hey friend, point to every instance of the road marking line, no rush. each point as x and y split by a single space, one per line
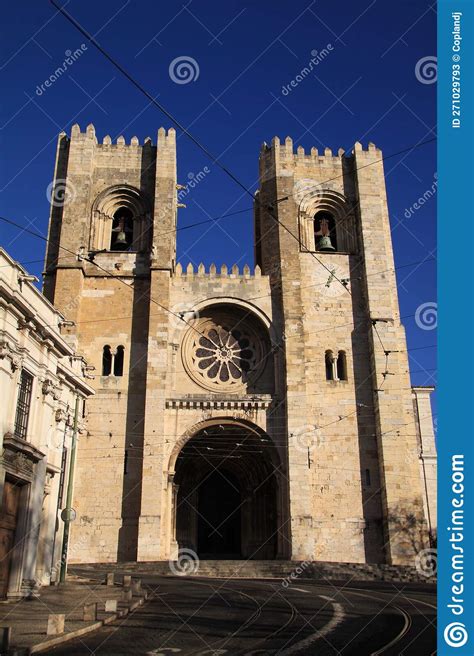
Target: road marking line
301 590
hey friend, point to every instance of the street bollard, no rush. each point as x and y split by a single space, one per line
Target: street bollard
136 586
55 624
90 613
6 638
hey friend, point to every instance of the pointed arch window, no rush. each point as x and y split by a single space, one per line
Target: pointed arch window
106 360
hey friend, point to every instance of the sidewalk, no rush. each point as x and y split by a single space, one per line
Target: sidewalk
28 618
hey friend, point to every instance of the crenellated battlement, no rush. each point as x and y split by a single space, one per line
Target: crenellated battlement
164 138
283 159
225 272
286 151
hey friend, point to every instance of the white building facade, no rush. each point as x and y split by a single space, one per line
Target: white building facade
43 389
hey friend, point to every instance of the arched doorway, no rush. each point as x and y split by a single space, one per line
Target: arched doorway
227 502
219 516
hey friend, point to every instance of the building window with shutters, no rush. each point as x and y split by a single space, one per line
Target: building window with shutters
23 404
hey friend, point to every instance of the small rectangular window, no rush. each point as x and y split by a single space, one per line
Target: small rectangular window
23 404
62 478
367 477
125 462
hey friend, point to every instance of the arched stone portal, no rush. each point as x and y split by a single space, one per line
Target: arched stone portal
228 500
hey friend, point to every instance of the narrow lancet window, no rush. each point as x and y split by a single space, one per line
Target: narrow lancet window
329 359
341 366
118 361
106 361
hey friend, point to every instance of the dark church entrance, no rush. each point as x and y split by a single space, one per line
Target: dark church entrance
219 516
227 501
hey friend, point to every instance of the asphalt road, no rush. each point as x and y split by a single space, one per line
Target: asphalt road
240 617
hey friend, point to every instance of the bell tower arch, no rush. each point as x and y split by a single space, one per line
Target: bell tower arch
121 219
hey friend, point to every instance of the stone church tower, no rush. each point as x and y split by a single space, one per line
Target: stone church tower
262 413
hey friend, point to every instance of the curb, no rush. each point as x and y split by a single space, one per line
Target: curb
66 637
430 581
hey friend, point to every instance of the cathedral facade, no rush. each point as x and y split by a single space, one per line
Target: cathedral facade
252 413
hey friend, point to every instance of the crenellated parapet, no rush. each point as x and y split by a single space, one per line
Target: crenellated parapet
224 271
165 139
287 151
282 158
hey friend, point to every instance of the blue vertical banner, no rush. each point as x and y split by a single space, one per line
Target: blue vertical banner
456 327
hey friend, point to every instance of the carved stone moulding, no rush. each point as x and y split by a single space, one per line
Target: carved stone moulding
18 463
8 351
20 457
49 387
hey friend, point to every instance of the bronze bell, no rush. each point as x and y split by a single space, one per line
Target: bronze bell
121 238
324 244
121 231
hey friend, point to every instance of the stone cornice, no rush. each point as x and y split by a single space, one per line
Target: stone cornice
36 325
22 446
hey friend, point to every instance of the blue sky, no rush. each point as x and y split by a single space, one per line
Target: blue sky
374 85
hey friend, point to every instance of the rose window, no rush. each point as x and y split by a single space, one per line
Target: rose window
225 354
219 356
